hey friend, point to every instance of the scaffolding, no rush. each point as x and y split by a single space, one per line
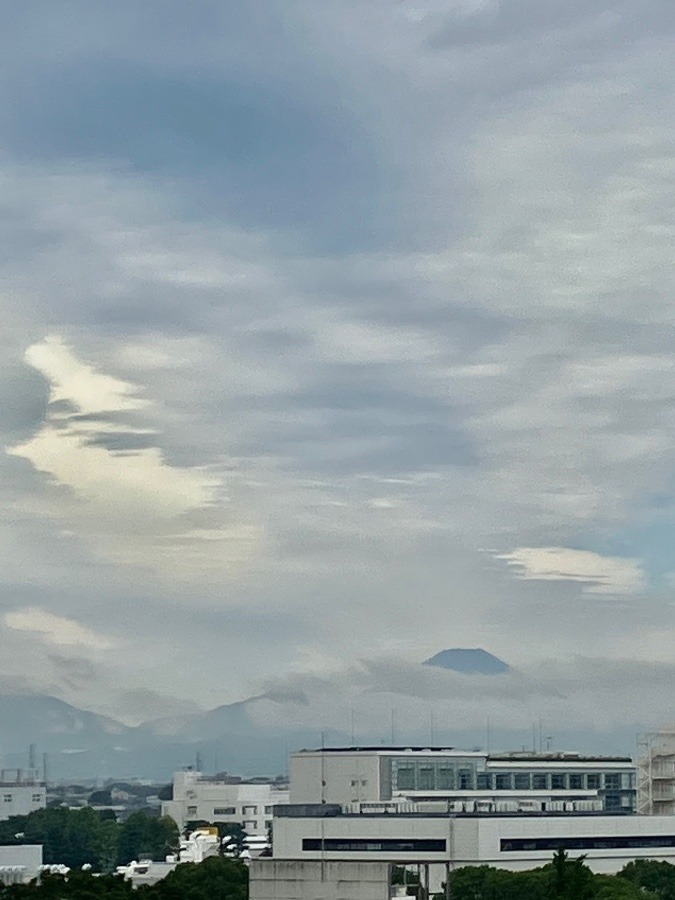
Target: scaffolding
656 773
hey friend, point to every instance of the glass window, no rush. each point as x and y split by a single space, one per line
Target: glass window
539 781
425 779
613 782
268 810
268 824
522 781
445 778
249 810
558 781
465 780
593 781
192 810
8 798
405 778
37 798
576 782
484 781
224 811
250 826
503 781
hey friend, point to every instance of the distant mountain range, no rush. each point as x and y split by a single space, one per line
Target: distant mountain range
80 744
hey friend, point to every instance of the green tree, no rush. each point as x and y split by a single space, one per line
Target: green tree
216 878
146 837
651 875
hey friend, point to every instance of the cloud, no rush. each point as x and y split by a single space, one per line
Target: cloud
597 574
124 498
56 630
306 358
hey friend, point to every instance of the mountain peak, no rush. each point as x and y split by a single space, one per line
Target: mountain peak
469 661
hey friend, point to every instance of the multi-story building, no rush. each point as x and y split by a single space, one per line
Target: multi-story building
224 799
656 773
21 792
465 781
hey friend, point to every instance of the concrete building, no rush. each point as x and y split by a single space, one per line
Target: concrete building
656 773
21 792
20 863
317 843
470 781
216 799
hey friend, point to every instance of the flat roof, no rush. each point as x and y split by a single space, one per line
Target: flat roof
504 756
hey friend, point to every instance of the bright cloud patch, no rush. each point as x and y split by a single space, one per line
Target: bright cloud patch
598 574
56 630
123 497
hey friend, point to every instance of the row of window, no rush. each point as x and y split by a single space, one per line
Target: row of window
36 798
232 810
612 842
386 845
428 777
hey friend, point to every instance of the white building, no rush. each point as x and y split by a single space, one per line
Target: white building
470 781
312 841
21 792
20 863
203 798
656 773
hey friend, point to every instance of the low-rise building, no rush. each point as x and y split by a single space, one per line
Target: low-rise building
21 792
321 846
223 799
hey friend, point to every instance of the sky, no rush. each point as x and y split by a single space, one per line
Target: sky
335 332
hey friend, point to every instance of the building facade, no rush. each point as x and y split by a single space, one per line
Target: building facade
214 799
469 781
314 844
21 792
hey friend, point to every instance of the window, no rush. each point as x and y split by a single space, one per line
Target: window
445 778
521 781
610 842
539 782
251 825
465 780
405 779
268 810
484 781
558 782
224 811
268 824
8 798
593 782
576 782
387 845
354 782
192 810
249 810
425 779
613 782
37 798
503 781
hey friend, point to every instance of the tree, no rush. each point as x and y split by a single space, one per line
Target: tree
651 875
216 878
146 837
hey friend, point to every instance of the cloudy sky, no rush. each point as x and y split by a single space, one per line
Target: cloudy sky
333 331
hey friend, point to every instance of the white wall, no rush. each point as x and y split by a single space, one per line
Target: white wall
348 777
27 855
272 879
21 799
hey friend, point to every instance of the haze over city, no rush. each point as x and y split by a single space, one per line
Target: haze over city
336 335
